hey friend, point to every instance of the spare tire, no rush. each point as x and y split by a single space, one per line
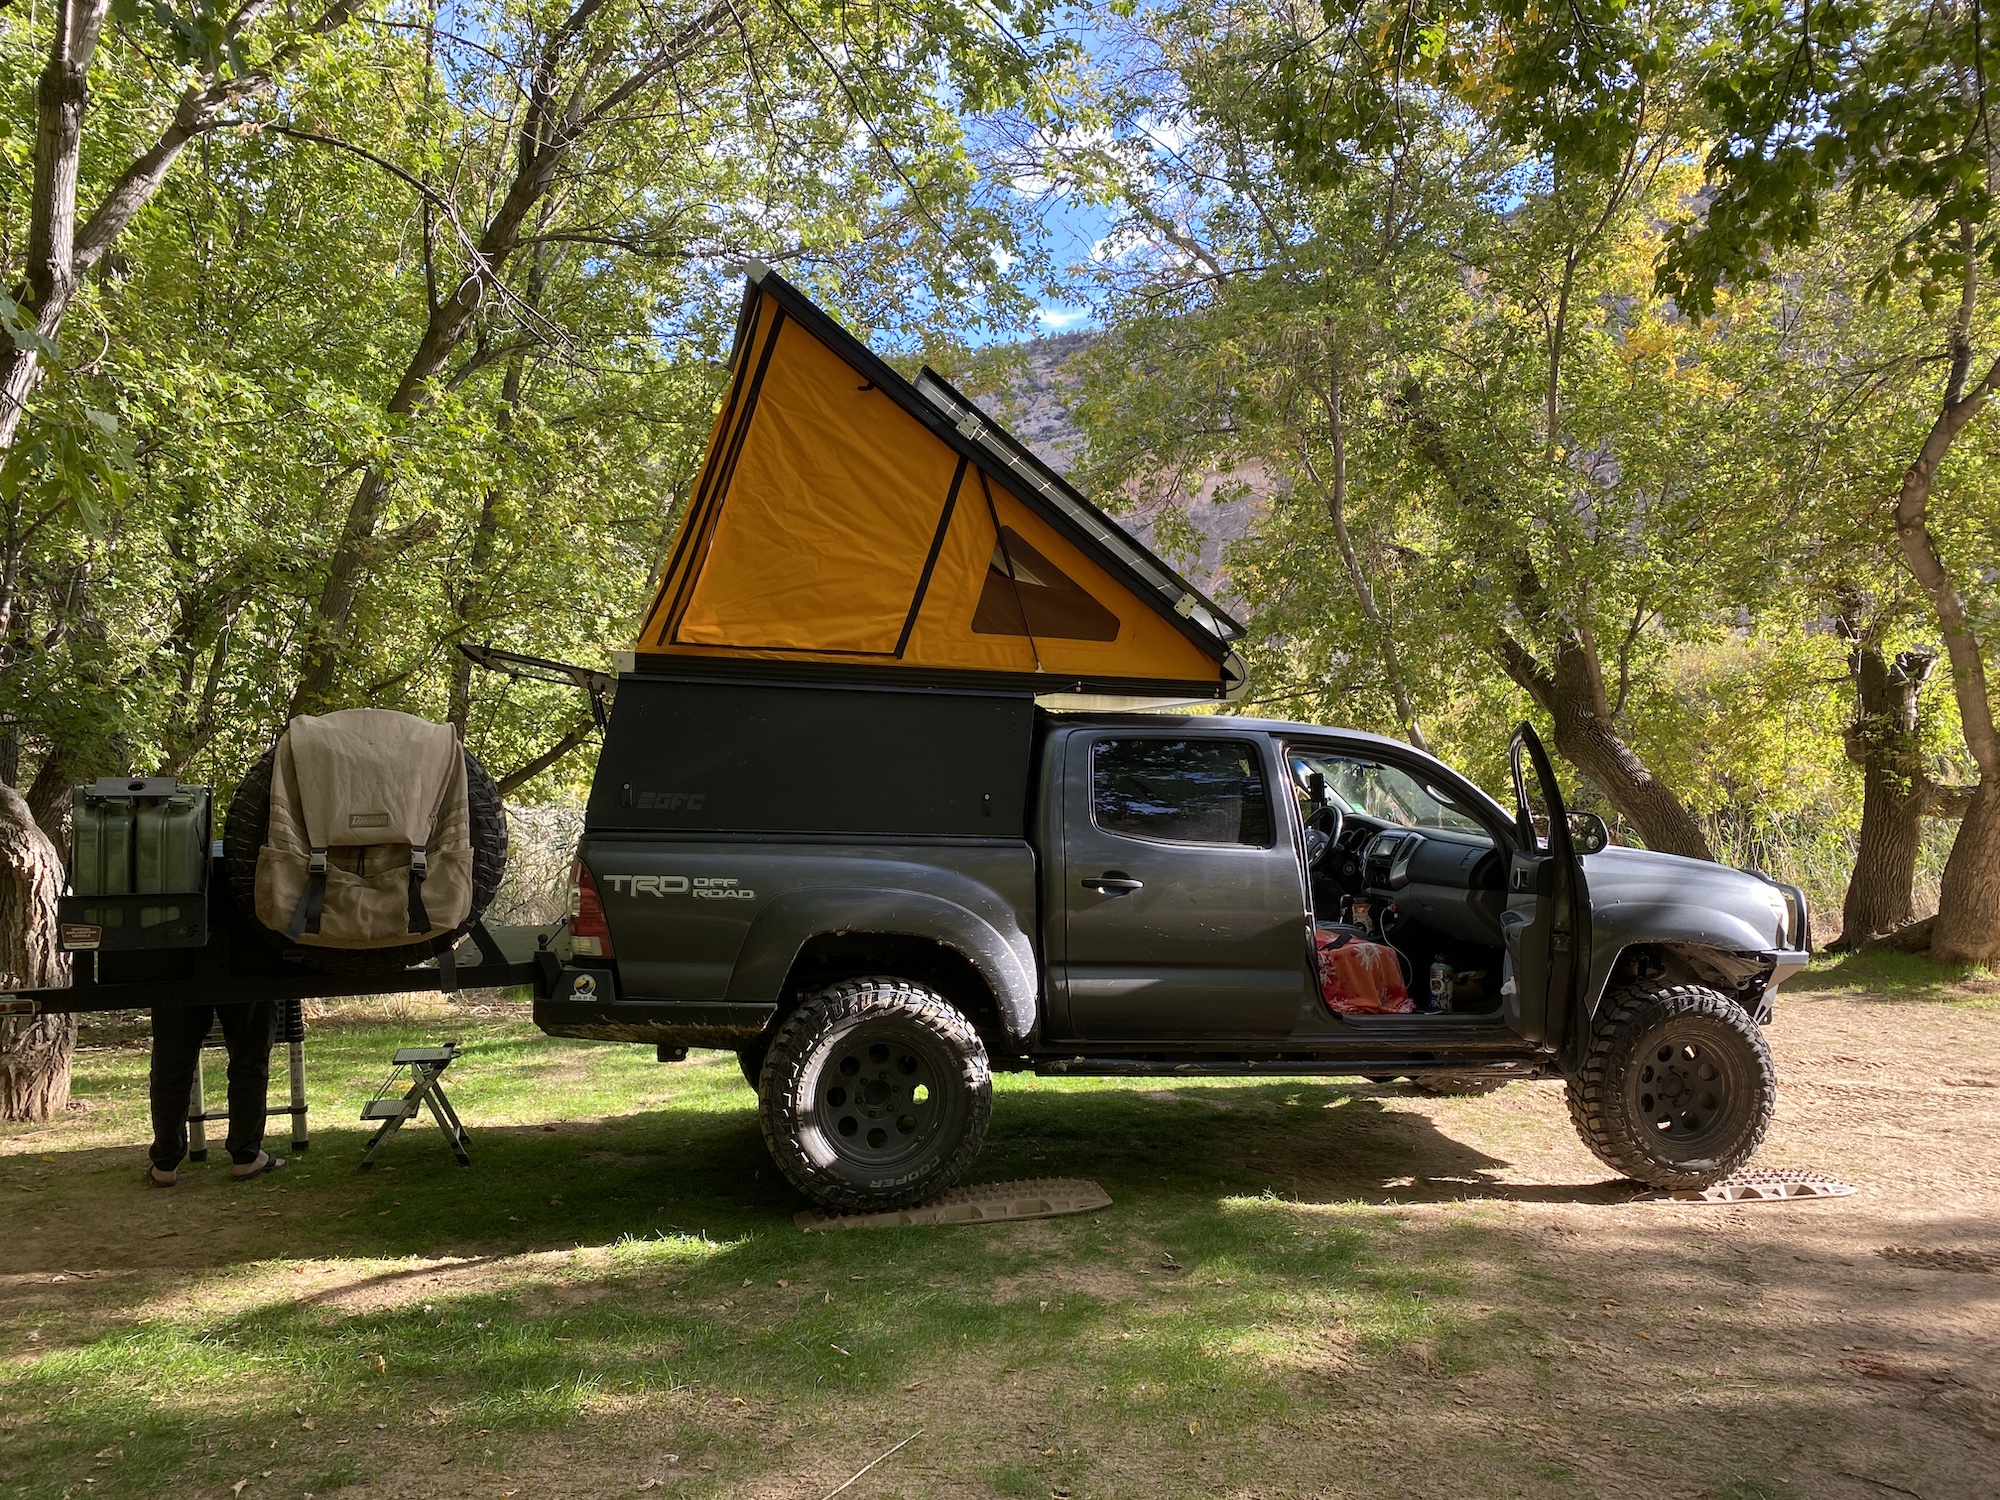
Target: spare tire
243 836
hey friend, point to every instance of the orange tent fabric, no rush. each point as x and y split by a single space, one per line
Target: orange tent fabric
847 517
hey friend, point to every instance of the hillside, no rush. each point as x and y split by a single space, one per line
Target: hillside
1032 398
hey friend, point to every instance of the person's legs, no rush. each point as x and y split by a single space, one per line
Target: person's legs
177 1035
249 1030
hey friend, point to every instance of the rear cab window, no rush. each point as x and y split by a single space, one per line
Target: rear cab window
1181 791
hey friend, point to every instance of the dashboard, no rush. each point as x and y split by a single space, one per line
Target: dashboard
1452 881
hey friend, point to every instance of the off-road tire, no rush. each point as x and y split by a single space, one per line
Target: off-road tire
1458 1085
1655 1046
243 836
854 1138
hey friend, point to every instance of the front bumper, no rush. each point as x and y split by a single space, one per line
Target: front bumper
1785 962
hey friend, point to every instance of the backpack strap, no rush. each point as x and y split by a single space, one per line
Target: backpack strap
312 900
420 919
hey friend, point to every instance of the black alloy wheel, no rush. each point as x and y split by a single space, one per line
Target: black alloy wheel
1677 1088
876 1095
1684 1088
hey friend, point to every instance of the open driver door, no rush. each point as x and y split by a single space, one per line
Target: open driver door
1547 921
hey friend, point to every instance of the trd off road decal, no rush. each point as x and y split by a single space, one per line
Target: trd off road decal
700 887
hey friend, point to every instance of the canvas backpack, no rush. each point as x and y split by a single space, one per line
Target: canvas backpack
369 843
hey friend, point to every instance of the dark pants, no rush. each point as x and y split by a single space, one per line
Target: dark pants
249 1031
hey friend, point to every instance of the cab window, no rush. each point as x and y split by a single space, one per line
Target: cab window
1373 790
1181 791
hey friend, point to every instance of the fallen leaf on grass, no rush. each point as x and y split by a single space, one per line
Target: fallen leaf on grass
1193 1428
239 1487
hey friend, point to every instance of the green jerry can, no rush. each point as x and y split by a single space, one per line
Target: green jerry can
131 838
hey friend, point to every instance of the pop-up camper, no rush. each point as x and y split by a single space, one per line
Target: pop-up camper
851 523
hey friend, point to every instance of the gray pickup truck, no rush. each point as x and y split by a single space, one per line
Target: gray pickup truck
1138 894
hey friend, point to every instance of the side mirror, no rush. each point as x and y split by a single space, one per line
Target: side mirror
1588 833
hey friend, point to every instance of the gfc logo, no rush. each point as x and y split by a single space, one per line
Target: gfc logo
700 887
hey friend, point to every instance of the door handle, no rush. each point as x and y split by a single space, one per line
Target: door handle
1112 885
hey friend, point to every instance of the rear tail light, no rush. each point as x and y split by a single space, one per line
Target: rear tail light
589 935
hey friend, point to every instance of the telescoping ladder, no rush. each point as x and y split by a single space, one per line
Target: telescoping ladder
292 1032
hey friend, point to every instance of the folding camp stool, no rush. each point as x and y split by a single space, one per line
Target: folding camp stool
292 1032
426 1065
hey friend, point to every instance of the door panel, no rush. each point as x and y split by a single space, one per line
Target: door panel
1546 921
1183 903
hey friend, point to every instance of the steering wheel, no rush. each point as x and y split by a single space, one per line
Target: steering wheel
1322 835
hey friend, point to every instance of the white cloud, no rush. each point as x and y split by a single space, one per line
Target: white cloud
1061 319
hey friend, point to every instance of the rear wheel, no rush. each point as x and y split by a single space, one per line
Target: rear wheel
876 1095
1677 1088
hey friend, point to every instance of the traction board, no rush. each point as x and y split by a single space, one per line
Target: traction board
1761 1185
987 1203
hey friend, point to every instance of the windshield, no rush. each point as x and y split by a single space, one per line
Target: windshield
1377 791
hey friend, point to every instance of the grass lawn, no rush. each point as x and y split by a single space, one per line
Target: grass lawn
1301 1287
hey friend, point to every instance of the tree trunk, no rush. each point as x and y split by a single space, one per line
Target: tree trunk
1588 738
34 1050
1571 692
1895 792
1968 919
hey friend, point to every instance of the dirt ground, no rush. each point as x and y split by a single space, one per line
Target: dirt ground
1608 1346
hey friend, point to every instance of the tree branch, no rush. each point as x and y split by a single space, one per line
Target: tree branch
577 733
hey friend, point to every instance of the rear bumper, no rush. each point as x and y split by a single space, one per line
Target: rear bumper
582 1000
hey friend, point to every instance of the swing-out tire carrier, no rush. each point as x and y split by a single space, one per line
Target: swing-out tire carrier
239 966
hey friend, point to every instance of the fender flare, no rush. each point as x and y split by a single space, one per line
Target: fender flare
1627 924
1003 956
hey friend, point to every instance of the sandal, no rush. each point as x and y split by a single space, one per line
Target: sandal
270 1163
153 1180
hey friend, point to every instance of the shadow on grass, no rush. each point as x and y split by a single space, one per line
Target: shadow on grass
700 1171
1890 976
423 1313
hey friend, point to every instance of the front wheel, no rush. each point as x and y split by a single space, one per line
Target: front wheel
1677 1088
876 1095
